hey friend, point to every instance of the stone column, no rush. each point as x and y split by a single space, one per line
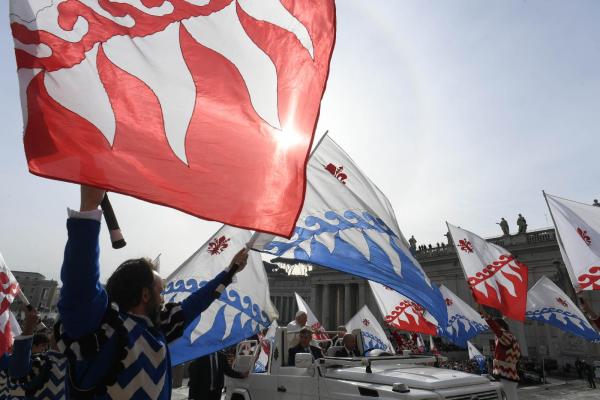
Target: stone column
326 304
362 295
347 302
313 299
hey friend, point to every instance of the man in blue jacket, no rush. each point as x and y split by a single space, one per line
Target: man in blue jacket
116 339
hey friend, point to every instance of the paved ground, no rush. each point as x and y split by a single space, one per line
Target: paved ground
572 390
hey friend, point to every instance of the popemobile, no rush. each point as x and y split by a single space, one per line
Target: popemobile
378 374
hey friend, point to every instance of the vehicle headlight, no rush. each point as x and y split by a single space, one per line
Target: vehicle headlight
400 388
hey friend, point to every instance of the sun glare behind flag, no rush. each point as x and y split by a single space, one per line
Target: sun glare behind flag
243 309
195 105
496 278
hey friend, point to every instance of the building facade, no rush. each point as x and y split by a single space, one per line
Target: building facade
42 293
335 297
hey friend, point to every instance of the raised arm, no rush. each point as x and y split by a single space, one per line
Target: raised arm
83 300
19 362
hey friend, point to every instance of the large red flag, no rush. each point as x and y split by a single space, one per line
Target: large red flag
206 106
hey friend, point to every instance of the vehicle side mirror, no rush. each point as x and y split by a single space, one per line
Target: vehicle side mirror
303 360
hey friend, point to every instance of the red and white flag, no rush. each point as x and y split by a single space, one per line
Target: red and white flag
496 278
402 313
9 288
578 228
311 320
205 106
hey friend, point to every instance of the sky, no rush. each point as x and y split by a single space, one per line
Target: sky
459 111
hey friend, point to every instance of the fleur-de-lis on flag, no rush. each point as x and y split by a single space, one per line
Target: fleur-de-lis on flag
449 302
584 236
337 172
218 245
366 322
465 245
562 302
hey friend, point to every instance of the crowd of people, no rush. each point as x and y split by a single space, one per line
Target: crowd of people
101 346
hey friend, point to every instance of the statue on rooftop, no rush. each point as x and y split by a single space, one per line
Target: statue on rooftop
504 226
596 203
522 224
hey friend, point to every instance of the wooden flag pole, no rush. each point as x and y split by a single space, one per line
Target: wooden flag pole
25 301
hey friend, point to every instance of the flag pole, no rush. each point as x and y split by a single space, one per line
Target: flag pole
561 245
25 301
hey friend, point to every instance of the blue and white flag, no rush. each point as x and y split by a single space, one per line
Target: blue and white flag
243 309
373 335
463 322
548 304
475 354
348 224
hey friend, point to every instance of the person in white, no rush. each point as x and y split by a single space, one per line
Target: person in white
298 323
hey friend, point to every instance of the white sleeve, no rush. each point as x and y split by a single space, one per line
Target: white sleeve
95 215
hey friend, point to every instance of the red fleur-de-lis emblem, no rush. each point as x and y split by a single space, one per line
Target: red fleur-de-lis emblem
218 245
449 302
465 245
584 235
337 172
366 322
562 302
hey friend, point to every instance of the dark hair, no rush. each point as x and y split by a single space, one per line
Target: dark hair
40 338
126 284
305 331
502 323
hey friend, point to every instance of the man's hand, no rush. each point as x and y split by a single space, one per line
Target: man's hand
32 319
482 311
240 260
91 198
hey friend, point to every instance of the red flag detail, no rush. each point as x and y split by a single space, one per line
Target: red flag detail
207 109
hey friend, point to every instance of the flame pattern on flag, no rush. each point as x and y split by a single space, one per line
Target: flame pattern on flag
547 303
9 288
496 278
163 84
400 312
578 228
243 309
464 322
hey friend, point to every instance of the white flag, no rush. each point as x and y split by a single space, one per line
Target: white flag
463 323
266 344
475 354
402 313
496 278
348 224
548 304
243 309
578 228
373 335
311 321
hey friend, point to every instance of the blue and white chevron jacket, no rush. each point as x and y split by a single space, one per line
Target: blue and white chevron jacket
113 354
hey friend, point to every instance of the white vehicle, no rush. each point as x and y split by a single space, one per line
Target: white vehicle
334 378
